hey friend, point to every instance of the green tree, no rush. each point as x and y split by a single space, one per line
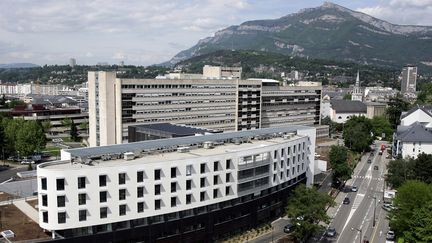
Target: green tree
420 226
411 196
422 168
347 96
73 132
46 126
381 125
30 138
357 133
307 207
11 128
399 171
84 125
395 108
425 95
341 171
66 122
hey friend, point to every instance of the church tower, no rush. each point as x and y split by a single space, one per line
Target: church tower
357 93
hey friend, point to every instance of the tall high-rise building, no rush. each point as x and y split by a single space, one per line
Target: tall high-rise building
409 79
72 62
221 104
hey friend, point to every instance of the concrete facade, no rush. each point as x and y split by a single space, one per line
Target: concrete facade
221 104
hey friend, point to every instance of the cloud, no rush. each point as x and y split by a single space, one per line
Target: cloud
410 12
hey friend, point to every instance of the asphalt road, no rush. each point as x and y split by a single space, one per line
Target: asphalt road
7 172
354 221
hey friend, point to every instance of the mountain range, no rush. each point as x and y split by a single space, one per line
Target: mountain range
18 65
329 31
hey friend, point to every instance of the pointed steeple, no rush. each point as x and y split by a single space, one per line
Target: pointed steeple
358 79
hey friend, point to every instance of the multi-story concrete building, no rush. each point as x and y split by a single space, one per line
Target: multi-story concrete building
409 79
188 189
218 72
221 104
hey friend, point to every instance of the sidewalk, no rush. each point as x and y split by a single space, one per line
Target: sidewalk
22 205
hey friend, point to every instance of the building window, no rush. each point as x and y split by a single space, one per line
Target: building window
188 170
282 152
228 177
188 184
215 180
227 190
215 193
60 184
274 178
45 216
140 207
140 176
81 199
228 164
157 189
157 204
102 196
203 168
122 178
188 198
281 175
275 154
202 196
61 201
122 194
173 186
83 215
45 200
289 150
173 201
61 217
102 180
173 172
81 182
140 191
216 166
44 183
274 166
103 212
157 174
202 182
122 209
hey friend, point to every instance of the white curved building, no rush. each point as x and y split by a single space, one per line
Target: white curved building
189 182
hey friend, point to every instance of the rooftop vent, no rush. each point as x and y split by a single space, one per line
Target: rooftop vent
208 145
128 156
183 149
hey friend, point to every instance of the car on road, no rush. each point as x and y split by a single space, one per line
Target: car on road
354 189
346 200
376 167
27 161
390 235
331 232
369 161
288 228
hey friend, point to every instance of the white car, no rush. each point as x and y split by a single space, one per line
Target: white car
354 189
27 161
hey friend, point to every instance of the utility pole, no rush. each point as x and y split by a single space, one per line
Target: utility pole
359 230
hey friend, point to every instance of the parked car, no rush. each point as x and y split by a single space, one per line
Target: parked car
331 232
27 161
390 235
354 189
288 228
346 200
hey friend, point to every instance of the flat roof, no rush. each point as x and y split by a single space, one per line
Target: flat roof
174 142
180 130
225 148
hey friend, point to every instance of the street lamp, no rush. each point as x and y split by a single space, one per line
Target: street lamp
359 230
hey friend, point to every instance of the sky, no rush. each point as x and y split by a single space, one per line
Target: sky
145 32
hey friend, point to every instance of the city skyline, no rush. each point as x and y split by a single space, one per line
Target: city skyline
147 32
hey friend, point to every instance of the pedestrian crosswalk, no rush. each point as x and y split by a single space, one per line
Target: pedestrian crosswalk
367 177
